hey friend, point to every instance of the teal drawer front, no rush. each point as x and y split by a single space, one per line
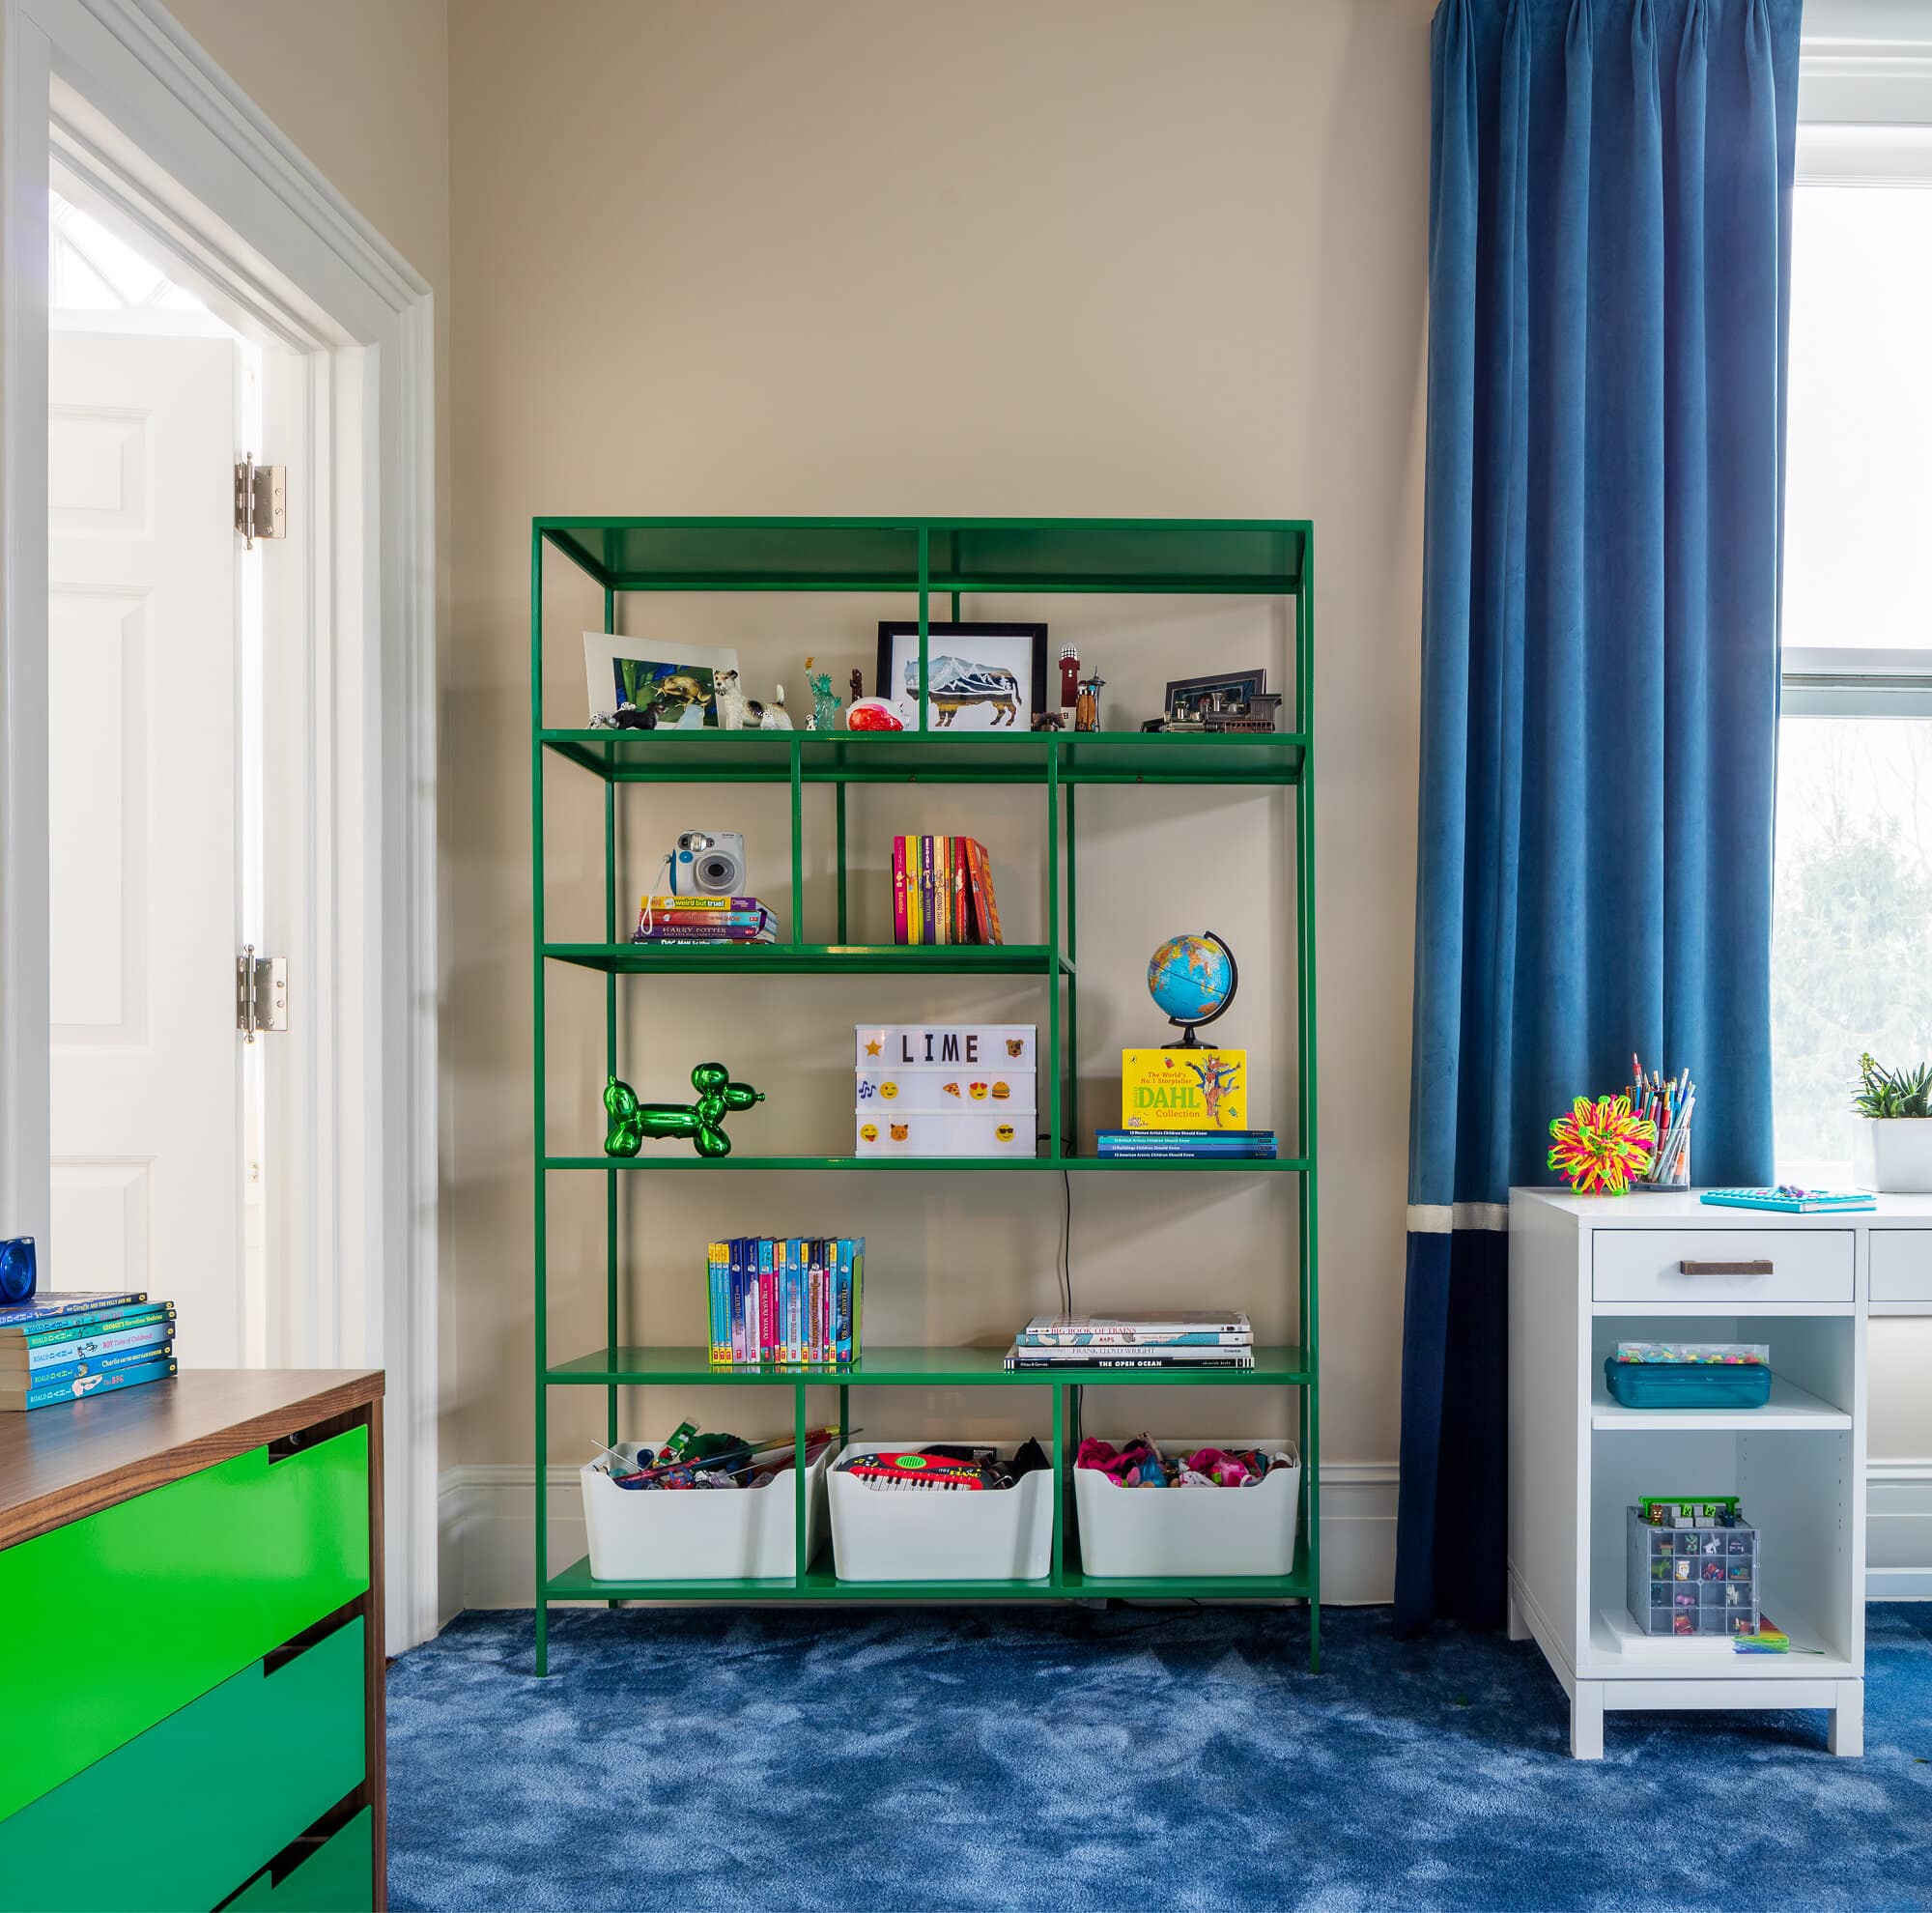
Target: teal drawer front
132 1612
187 1812
338 1878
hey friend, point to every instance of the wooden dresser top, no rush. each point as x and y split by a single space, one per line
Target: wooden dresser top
58 1464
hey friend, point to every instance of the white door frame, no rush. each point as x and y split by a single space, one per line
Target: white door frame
140 104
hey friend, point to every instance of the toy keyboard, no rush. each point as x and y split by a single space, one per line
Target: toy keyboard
1792 1201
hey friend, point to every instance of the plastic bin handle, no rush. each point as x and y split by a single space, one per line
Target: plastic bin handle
1760 1268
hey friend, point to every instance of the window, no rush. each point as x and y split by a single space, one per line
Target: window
1851 956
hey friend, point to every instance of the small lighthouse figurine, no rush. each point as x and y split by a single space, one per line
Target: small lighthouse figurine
1087 711
1069 676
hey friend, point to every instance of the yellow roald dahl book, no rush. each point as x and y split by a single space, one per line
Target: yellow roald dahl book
1183 1089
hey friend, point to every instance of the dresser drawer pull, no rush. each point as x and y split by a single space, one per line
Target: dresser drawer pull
1726 1267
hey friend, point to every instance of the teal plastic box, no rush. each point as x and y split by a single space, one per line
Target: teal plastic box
1688 1385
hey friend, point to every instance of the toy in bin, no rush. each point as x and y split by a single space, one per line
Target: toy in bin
1693 1568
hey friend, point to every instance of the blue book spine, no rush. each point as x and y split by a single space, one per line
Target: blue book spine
85 1348
49 1393
844 1299
768 1313
737 1299
69 1371
83 1306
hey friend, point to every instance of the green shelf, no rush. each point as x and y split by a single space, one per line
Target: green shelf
916 1368
907 565
812 959
676 1159
934 756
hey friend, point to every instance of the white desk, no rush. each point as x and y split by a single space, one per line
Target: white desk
1587 1271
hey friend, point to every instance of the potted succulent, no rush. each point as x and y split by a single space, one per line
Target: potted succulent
1892 1150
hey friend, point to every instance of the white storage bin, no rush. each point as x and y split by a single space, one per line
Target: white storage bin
1152 1532
941 1534
700 1533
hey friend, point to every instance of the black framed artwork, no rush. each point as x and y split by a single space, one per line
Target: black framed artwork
979 676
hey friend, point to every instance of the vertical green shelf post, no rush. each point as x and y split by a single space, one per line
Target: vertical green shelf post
539 1079
1305 1071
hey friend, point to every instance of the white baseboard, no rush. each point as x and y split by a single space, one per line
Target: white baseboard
1898 1530
487 1514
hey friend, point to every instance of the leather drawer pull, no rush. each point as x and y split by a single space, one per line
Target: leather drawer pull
1726 1267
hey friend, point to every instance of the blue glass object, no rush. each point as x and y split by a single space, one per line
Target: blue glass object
18 1271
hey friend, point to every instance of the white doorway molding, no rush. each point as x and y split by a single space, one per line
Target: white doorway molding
161 136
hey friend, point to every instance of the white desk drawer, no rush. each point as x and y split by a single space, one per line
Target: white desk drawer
1783 1264
1901 1266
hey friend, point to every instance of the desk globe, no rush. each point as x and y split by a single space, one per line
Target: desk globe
1192 979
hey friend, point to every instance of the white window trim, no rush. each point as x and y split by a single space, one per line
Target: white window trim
1865 63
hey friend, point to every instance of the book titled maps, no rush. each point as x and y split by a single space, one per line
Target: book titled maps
943 891
1183 1338
60 1348
1183 1089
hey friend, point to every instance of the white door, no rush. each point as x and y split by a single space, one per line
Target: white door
144 816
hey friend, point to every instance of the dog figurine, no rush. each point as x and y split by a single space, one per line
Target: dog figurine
702 1120
731 695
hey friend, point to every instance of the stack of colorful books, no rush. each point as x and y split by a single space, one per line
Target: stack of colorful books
785 1298
943 891
704 920
60 1347
1184 1145
1183 1338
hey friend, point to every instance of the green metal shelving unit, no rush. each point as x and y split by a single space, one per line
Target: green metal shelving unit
925 558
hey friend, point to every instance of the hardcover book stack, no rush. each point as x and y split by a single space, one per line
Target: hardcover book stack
1184 1338
704 920
61 1347
943 891
1182 1104
785 1298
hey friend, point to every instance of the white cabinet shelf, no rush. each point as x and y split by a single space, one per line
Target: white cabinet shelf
1790 1407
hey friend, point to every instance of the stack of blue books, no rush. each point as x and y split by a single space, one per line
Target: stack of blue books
1181 1145
58 1348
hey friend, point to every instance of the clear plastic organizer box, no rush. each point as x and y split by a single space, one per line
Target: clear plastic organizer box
700 1533
1692 1581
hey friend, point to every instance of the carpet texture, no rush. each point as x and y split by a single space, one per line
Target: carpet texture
972 1760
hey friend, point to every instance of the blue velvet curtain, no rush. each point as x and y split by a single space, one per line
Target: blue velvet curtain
1609 232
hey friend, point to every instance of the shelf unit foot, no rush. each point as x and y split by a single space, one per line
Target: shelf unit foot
1586 1721
1846 1736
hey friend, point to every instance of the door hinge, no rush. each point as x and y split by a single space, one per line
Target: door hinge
260 992
261 499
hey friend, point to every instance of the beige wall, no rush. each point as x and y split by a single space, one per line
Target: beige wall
1090 257
864 257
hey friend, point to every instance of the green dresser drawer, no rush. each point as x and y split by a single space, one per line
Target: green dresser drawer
118 1620
185 1812
338 1877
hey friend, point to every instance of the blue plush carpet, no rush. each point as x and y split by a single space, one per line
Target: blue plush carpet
976 1760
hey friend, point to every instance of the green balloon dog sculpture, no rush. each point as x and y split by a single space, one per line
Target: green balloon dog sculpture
702 1120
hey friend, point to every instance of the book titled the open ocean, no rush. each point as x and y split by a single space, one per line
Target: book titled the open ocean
1184 1327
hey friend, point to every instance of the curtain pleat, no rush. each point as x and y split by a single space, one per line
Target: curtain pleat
1609 228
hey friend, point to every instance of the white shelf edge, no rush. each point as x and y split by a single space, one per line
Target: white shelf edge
1790 1407
1617 1651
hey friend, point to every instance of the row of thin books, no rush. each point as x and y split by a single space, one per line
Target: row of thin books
943 891
785 1298
704 920
59 1348
1185 1145
1183 1338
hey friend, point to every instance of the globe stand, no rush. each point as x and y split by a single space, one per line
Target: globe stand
1188 1025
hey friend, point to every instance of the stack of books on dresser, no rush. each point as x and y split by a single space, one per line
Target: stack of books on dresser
704 920
1179 1338
60 1347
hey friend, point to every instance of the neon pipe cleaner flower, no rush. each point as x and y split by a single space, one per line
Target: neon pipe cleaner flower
1600 1146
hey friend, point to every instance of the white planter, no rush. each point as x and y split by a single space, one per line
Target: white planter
1147 1533
999 1535
1893 1156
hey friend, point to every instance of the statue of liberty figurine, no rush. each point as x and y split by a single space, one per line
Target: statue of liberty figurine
825 706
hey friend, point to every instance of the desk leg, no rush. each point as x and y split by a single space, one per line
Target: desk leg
1586 1721
1847 1736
